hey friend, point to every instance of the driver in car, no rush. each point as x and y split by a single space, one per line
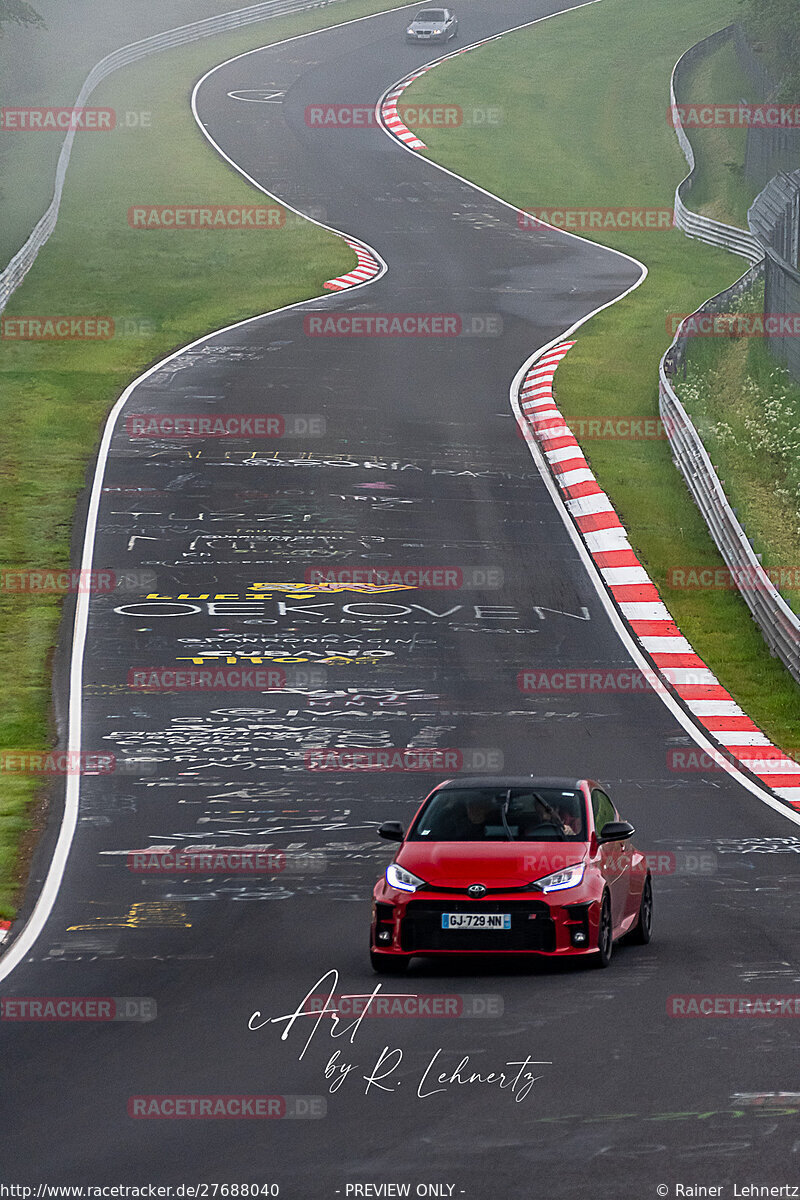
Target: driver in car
570 821
464 821
539 814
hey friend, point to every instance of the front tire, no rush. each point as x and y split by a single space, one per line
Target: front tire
387 964
605 934
643 929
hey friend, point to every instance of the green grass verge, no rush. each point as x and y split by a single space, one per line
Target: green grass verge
720 189
581 128
54 396
28 161
47 67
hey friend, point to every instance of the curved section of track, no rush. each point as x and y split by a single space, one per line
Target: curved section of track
420 464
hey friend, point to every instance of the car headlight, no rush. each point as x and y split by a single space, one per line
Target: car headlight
568 877
435 31
397 877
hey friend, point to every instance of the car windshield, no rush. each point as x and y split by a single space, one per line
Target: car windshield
520 814
430 14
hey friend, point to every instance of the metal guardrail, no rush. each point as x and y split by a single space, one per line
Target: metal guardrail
23 260
779 625
774 218
715 233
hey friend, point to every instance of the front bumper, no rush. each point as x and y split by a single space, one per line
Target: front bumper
555 925
425 37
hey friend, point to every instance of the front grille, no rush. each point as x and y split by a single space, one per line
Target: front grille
532 927
498 891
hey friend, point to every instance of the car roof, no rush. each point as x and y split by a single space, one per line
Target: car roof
497 781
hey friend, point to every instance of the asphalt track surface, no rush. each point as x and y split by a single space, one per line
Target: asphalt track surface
420 464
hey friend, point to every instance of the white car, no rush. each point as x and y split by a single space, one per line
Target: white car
433 25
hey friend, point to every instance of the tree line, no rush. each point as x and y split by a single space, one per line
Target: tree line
773 28
18 12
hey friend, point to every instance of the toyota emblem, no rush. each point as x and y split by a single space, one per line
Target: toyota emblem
477 891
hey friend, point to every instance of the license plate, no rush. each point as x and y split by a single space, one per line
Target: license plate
476 920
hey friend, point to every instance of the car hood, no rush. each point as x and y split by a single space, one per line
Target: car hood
495 864
422 26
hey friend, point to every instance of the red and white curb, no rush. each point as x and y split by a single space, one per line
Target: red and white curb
637 597
368 267
391 118
389 115
4 928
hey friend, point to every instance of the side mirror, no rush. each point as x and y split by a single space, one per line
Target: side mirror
615 831
393 831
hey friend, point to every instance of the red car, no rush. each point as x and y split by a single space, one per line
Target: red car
518 865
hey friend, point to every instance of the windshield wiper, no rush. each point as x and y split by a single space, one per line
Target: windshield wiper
559 824
504 814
